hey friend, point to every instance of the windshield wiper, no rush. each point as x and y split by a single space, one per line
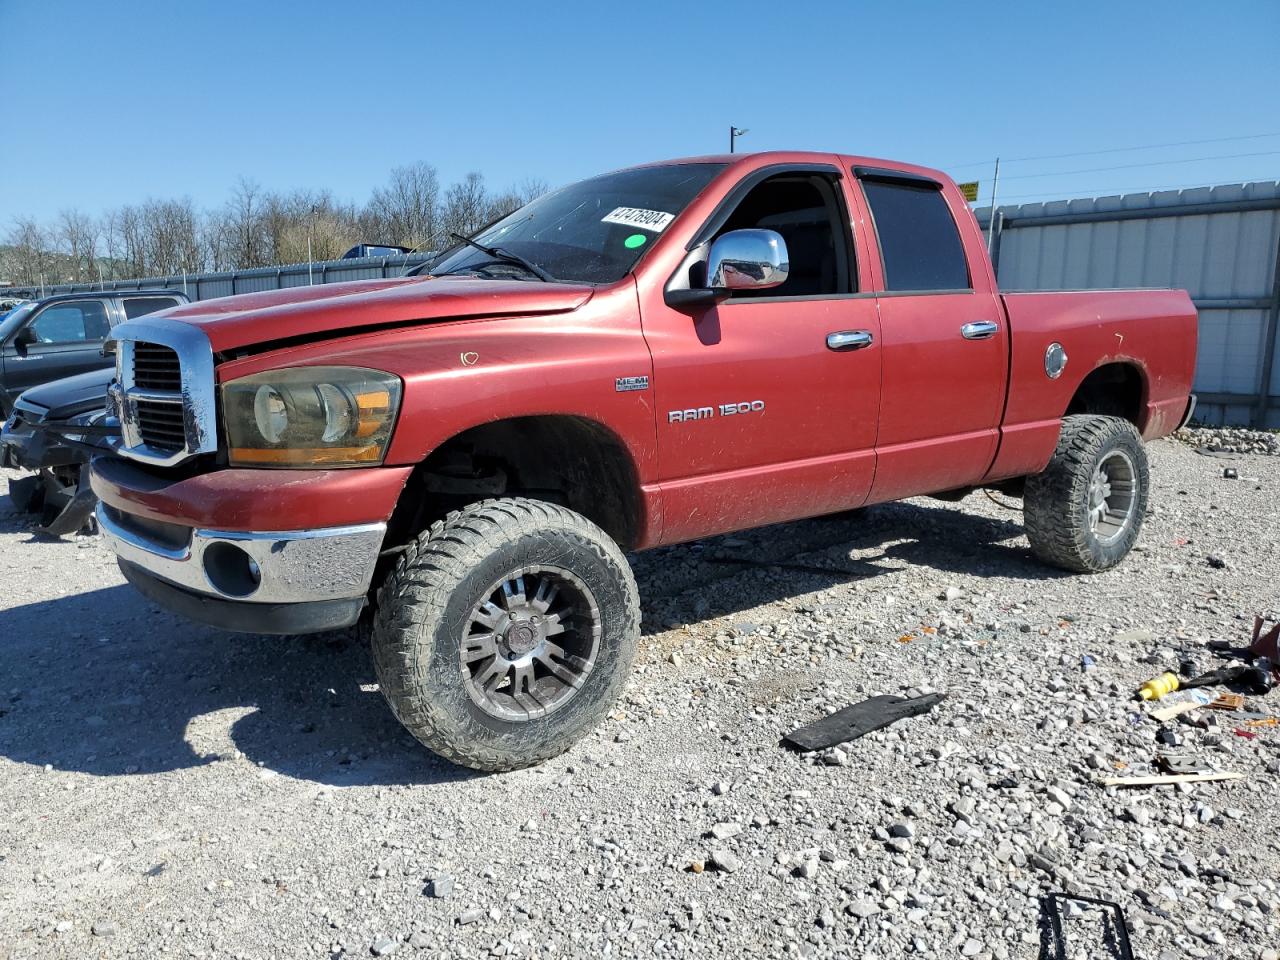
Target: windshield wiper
506 256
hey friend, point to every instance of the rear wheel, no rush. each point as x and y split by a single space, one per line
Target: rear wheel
505 632
1085 511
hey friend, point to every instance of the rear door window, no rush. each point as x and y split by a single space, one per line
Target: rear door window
141 306
919 240
71 322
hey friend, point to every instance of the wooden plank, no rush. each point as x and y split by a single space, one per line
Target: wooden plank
1168 779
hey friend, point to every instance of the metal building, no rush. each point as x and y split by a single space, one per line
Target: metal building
1222 244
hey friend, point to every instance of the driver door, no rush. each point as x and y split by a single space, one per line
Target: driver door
60 340
764 413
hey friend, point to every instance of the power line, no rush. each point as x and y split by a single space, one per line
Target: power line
1094 153
1149 163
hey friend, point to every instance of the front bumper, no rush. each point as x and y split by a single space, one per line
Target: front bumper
259 582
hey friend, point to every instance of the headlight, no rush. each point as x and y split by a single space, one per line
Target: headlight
310 416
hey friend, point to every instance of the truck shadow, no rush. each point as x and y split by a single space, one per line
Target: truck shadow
812 555
107 684
104 683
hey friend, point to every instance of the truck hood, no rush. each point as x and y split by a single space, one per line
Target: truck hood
298 314
72 396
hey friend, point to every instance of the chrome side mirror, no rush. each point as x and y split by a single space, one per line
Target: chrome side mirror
747 260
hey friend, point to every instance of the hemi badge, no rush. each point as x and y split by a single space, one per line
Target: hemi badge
626 384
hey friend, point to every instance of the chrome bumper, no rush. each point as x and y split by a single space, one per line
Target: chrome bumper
292 566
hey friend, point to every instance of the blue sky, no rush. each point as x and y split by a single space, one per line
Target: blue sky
117 102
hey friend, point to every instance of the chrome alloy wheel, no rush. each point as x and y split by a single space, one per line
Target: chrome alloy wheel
530 643
1113 496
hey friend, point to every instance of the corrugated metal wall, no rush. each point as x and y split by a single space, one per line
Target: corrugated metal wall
1221 244
207 286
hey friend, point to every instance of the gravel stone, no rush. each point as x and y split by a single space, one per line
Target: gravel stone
439 887
724 861
256 794
723 831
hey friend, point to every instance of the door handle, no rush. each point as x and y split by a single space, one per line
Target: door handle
979 330
849 340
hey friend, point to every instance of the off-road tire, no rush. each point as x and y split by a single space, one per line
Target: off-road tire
1056 501
422 614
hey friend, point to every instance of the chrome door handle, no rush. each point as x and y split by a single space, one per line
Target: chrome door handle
849 340
979 330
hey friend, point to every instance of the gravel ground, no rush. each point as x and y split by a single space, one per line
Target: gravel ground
170 789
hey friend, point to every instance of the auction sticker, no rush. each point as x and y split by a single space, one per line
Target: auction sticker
654 220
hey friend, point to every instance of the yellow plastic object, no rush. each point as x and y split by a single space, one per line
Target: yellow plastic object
1157 687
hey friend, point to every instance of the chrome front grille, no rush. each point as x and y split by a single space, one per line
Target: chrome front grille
161 425
156 367
163 395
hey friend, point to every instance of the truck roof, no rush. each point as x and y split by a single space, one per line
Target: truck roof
764 157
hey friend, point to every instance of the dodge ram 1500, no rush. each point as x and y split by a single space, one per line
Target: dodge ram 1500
459 460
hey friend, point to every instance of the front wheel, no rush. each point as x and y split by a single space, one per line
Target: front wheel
505 632
1084 511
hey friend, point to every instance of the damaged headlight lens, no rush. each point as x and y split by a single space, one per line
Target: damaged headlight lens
310 417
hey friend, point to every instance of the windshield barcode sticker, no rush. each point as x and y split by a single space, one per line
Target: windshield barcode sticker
654 220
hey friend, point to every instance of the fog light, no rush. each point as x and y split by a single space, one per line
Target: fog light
230 570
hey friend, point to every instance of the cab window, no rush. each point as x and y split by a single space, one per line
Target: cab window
141 306
806 211
71 322
919 240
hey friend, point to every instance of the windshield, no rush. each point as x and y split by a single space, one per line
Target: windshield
11 321
593 231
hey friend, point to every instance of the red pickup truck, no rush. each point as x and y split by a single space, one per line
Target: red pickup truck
460 459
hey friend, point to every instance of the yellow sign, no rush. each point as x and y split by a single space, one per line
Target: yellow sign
970 190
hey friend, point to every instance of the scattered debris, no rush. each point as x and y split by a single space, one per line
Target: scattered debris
1157 687
1169 737
859 719
1157 781
1195 699
1115 928
1227 701
1088 663
1230 473
1181 763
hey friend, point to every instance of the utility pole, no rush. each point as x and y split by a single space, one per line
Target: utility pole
992 225
734 134
311 226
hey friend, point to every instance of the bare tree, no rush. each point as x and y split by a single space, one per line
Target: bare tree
78 236
245 228
170 238
466 207
253 228
407 210
31 261
514 198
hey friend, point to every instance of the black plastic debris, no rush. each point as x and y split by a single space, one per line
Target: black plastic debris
859 719
1113 932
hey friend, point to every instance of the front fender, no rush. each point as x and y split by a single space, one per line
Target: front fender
459 375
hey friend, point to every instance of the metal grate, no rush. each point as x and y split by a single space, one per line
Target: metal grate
156 367
162 425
